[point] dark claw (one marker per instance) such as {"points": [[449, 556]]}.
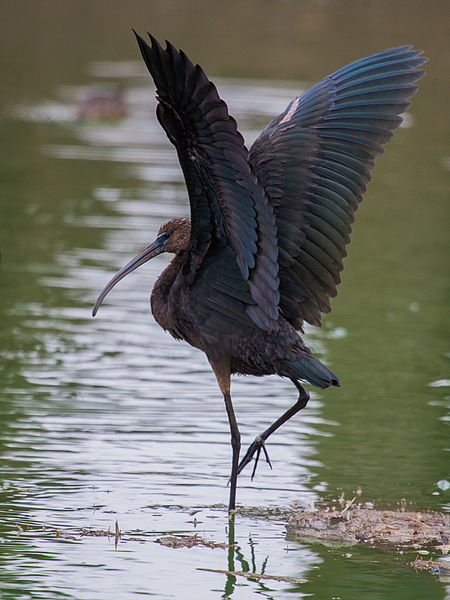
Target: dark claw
{"points": [[255, 447]]}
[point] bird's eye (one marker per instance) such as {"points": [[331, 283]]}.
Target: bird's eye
{"points": [[164, 236]]}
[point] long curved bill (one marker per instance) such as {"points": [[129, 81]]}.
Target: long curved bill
{"points": [[146, 254]]}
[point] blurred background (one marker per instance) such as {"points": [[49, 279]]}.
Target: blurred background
{"points": [[110, 418]]}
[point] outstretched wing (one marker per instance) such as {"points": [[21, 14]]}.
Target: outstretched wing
{"points": [[227, 202], [314, 162]]}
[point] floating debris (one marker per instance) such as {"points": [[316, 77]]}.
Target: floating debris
{"points": [[439, 567], [188, 541], [372, 526], [255, 576]]}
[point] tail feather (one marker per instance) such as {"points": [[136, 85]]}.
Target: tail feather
{"points": [[309, 368]]}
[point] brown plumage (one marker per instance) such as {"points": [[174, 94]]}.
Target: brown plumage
{"points": [[263, 249]]}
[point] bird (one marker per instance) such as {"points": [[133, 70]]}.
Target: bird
{"points": [[102, 105], [262, 251]]}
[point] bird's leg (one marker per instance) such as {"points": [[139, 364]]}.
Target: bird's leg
{"points": [[223, 379], [259, 442], [236, 447]]}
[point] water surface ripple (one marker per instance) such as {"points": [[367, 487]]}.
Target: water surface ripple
{"points": [[109, 419]]}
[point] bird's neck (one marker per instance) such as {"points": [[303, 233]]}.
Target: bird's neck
{"points": [[161, 292]]}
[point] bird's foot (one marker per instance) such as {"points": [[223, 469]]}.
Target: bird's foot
{"points": [[254, 447]]}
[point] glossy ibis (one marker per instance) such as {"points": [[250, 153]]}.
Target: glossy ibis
{"points": [[263, 249]]}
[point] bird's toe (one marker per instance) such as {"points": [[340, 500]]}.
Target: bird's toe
{"points": [[255, 448]]}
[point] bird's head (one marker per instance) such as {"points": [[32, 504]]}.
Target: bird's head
{"points": [[177, 233], [173, 237]]}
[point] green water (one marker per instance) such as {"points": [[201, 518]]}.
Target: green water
{"points": [[110, 419]]}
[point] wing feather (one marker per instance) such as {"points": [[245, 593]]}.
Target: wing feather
{"points": [[227, 201], [314, 161]]}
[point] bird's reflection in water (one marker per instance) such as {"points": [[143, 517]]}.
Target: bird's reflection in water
{"points": [[236, 557], [251, 570]]}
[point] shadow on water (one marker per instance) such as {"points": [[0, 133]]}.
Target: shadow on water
{"points": [[110, 420]]}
